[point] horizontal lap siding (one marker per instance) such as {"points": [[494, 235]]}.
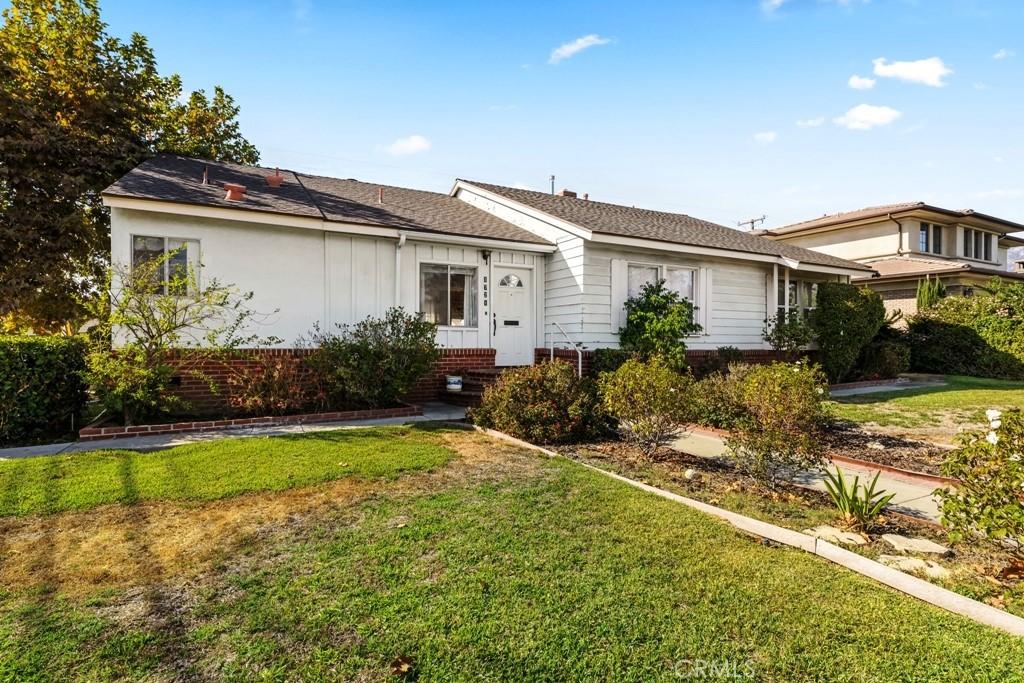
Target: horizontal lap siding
{"points": [[563, 289]]}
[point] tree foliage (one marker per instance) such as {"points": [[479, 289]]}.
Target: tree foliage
{"points": [[929, 292], [788, 333], [658, 321], [846, 320], [78, 109]]}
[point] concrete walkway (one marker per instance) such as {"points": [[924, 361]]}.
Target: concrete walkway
{"points": [[883, 388], [912, 498], [432, 412]]}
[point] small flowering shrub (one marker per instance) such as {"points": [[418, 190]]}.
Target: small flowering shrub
{"points": [[719, 397], [268, 385], [544, 404], [650, 400], [788, 333], [780, 434], [990, 498]]}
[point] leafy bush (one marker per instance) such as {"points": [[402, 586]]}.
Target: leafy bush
{"points": [[268, 385], [42, 386], [607, 360], [650, 400], [788, 333], [990, 497], [883, 360], [545, 403], [858, 504], [154, 322], [929, 292], [374, 362], [846, 319], [980, 335], [658, 321], [785, 415], [719, 397]]}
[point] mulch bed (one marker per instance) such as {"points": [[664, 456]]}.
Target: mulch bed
{"points": [[856, 442]]}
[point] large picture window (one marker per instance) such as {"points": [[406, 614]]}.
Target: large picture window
{"points": [[179, 268], [448, 295], [679, 280]]}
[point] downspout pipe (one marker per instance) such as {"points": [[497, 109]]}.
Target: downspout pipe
{"points": [[899, 249]]}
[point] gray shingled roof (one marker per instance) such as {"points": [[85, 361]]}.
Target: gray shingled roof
{"points": [[179, 179], [626, 221]]}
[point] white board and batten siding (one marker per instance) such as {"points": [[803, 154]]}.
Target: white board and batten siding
{"points": [[731, 297]]}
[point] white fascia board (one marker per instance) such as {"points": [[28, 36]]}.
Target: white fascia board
{"points": [[481, 242], [837, 270], [544, 217]]}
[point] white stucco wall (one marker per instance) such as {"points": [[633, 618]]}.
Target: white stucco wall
{"points": [[860, 242]]}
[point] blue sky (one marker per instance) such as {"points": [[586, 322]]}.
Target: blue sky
{"points": [[682, 106]]}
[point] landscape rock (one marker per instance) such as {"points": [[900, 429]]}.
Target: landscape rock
{"points": [[691, 474], [904, 544], [929, 568], [875, 446], [834, 535]]}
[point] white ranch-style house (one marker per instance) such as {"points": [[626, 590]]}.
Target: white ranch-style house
{"points": [[497, 268]]}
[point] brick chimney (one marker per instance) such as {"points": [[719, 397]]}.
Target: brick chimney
{"points": [[566, 193], [235, 192]]}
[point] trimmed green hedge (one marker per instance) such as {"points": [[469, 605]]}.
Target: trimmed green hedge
{"points": [[846, 319], [42, 387]]}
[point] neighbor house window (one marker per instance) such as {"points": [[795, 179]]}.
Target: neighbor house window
{"points": [[977, 245], [448, 295], [178, 272], [929, 239]]}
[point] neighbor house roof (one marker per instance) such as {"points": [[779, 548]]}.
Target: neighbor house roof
{"points": [[885, 210], [171, 178], [902, 267], [660, 226]]}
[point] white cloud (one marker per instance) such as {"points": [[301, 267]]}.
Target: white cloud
{"points": [[772, 5], [575, 47], [810, 123], [766, 137], [861, 82], [414, 144], [867, 116], [1003, 53], [929, 71]]}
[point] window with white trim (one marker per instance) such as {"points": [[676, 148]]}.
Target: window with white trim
{"points": [[448, 295], [681, 280], [801, 296], [178, 272]]}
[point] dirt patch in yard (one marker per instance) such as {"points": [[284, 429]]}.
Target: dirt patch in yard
{"points": [[858, 442], [146, 544]]}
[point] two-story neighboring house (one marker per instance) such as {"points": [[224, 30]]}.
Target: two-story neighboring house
{"points": [[906, 243]]}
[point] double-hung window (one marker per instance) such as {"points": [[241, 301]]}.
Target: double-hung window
{"points": [[681, 280], [448, 295], [174, 263]]}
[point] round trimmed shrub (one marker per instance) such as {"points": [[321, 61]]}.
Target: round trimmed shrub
{"points": [[543, 404], [650, 400], [846, 319]]}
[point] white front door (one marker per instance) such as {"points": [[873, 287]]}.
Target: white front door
{"points": [[512, 315]]}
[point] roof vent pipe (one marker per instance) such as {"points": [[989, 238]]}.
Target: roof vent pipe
{"points": [[275, 180], [235, 192], [380, 195], [206, 175]]}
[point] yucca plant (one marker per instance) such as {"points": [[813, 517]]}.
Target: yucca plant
{"points": [[859, 505]]}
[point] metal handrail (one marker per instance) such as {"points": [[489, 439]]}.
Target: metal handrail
{"points": [[576, 345]]}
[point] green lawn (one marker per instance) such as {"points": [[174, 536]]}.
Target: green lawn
{"points": [[937, 412], [499, 565], [209, 471]]}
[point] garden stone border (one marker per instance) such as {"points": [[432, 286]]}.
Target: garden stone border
{"points": [[894, 578], [96, 433]]}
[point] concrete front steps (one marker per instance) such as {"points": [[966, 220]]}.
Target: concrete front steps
{"points": [[473, 384]]}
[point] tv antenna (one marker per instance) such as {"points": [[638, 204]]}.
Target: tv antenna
{"points": [[752, 222]]}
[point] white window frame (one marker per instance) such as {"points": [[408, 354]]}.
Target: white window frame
{"points": [[663, 269], [167, 239], [450, 264]]}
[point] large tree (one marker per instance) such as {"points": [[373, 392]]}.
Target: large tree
{"points": [[79, 108]]}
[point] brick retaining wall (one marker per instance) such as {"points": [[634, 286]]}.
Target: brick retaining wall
{"points": [[697, 359]]}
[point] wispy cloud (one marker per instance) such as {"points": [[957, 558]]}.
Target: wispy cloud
{"points": [[810, 123], [861, 82], [413, 144], [575, 47], [769, 6], [1003, 53], [866, 117], [929, 71], [766, 137]]}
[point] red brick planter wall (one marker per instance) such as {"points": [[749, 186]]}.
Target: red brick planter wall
{"points": [[697, 359], [431, 387], [94, 433]]}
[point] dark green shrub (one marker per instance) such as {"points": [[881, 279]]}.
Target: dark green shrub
{"points": [[375, 362], [981, 335], [929, 292], [846, 319], [657, 324], [607, 360], [544, 404], [719, 397], [650, 400], [781, 433], [883, 359], [42, 387]]}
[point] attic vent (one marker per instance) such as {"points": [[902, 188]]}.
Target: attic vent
{"points": [[235, 192], [566, 193]]}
